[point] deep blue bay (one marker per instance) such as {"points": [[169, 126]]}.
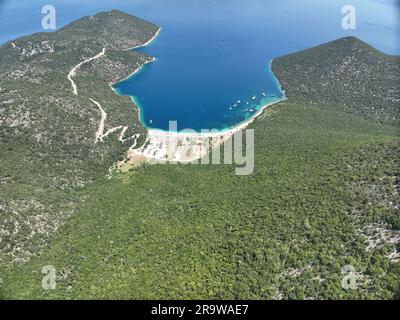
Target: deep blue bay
{"points": [[212, 54], [201, 78]]}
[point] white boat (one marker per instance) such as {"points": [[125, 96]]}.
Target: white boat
{"points": [[254, 98], [263, 94]]}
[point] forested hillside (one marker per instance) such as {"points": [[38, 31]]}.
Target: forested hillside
{"points": [[324, 194], [48, 134], [348, 73]]}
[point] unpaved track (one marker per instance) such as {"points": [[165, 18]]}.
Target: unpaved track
{"points": [[74, 69], [100, 135]]}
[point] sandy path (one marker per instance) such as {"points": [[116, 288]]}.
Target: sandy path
{"points": [[74, 69], [100, 135]]}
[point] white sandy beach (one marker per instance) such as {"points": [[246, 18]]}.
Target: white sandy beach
{"points": [[184, 147]]}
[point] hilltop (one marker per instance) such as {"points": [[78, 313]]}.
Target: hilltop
{"points": [[348, 73], [48, 133]]}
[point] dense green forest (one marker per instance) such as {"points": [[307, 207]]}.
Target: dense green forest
{"points": [[47, 133], [202, 232], [323, 195], [347, 73]]}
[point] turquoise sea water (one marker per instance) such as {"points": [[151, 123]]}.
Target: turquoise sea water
{"points": [[213, 54]]}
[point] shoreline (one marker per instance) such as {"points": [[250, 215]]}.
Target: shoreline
{"points": [[242, 124], [220, 131], [147, 43], [239, 126], [173, 147], [132, 74], [159, 143], [215, 132], [139, 68]]}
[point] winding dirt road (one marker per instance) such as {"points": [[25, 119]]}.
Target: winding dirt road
{"points": [[100, 135]]}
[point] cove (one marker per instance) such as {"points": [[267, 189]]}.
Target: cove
{"points": [[212, 67], [212, 53], [198, 88]]}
